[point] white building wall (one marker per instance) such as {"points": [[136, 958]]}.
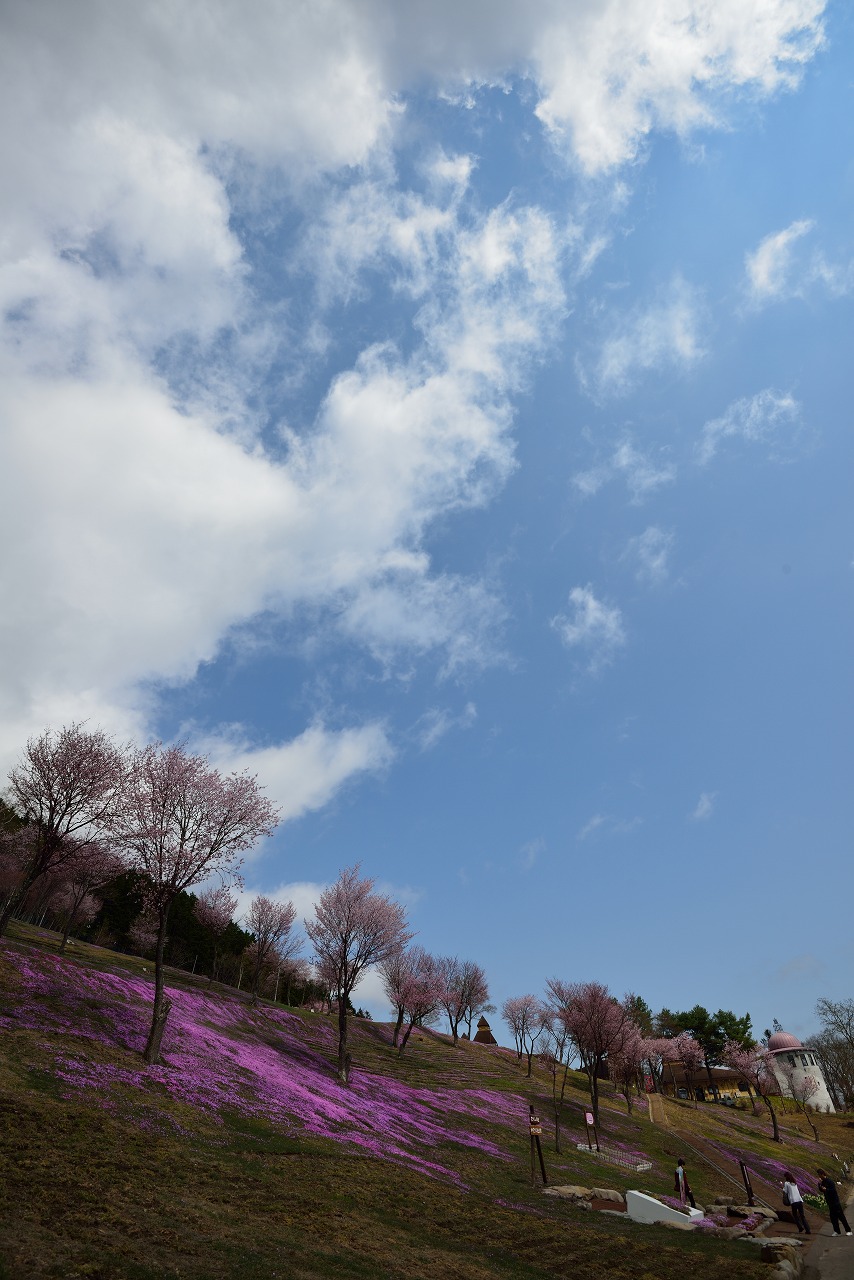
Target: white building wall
{"points": [[802, 1063]]}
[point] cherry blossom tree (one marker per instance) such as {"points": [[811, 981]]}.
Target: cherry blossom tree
{"points": [[270, 924], [67, 783], [400, 974], [143, 933], [94, 865], [465, 990], [625, 1063], [558, 1054], [214, 909], [528, 1019], [597, 1023], [181, 822], [655, 1056], [422, 993], [688, 1052], [354, 928], [756, 1066]]}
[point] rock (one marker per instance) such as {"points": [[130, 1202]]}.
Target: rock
{"points": [[570, 1193], [779, 1253], [676, 1226], [603, 1193], [724, 1200]]}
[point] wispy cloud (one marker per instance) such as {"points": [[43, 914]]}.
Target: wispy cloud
{"points": [[650, 552], [666, 334], [704, 807], [605, 824], [530, 852], [592, 824], [786, 265], [627, 462], [432, 727], [770, 417], [593, 626], [801, 966], [769, 267]]}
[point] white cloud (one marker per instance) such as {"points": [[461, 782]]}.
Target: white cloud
{"points": [[704, 807], [666, 334], [612, 72], [782, 267], [650, 553], [607, 825], [592, 626], [641, 475], [133, 486], [305, 773], [530, 851], [768, 268], [432, 727], [593, 824], [772, 418]]}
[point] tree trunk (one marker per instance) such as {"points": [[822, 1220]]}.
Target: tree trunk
{"points": [[69, 919], [397, 1026], [343, 1055], [594, 1096], [767, 1102], [407, 1033], [161, 1004], [7, 913]]}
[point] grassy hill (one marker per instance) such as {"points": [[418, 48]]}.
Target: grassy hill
{"points": [[241, 1157]]}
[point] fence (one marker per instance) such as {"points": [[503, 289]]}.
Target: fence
{"points": [[625, 1161]]}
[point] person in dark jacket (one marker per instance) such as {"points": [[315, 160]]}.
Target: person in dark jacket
{"points": [[827, 1187]]}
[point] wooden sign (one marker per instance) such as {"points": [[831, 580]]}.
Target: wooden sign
{"points": [[536, 1129]]}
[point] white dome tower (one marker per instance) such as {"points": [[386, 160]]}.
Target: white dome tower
{"points": [[792, 1065]]}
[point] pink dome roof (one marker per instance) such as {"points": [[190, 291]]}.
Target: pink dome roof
{"points": [[783, 1040]]}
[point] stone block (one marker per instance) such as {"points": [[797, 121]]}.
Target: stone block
{"points": [[604, 1193], [570, 1192]]}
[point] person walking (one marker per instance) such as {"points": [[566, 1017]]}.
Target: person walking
{"points": [[793, 1198], [681, 1185], [827, 1187]]}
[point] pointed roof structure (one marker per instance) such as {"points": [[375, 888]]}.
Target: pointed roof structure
{"points": [[484, 1035]]}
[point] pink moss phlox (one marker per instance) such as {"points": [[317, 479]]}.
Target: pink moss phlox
{"points": [[221, 1055]]}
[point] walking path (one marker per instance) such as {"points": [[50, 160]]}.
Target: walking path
{"points": [[833, 1258]]}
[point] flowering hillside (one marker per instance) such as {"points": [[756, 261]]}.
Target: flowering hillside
{"points": [[240, 1154], [222, 1054]]}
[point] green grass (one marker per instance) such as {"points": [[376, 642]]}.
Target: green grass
{"points": [[151, 1187]]}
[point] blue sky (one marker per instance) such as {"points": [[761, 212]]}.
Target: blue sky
{"points": [[444, 412]]}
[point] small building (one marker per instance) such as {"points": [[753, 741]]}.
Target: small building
{"points": [[727, 1084], [484, 1035], [792, 1065]]}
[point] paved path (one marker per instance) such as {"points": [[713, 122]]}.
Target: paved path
{"points": [[834, 1258]]}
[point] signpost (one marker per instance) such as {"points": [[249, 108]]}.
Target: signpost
{"points": [[748, 1188], [591, 1124], [536, 1130]]}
